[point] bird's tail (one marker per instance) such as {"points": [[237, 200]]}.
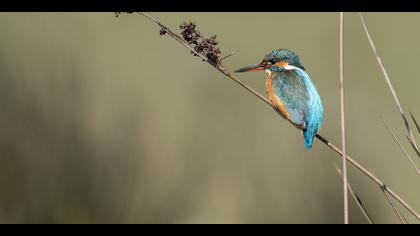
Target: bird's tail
{"points": [[308, 136]]}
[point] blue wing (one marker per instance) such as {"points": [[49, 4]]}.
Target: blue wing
{"points": [[291, 90], [303, 103]]}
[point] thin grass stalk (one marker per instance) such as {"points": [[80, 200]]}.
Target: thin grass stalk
{"points": [[230, 54], [413, 145], [356, 199], [418, 130], [415, 122], [343, 123], [410, 160], [388, 81], [395, 208]]}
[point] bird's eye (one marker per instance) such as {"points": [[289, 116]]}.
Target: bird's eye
{"points": [[272, 61]]}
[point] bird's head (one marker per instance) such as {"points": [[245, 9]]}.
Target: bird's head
{"points": [[277, 60]]}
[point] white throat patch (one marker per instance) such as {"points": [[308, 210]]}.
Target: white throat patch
{"points": [[290, 67]]}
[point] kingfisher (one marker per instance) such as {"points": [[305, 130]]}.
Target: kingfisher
{"points": [[291, 91]]}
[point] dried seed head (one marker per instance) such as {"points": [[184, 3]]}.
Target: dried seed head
{"points": [[189, 33], [162, 31], [204, 46], [117, 14]]}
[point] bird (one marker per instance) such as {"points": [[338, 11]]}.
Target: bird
{"points": [[291, 91]]}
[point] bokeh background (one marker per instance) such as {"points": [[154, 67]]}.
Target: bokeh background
{"points": [[102, 120]]}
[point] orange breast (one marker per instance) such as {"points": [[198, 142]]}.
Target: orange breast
{"points": [[275, 99]]}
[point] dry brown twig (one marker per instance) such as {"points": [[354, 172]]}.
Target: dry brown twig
{"points": [[218, 66], [415, 122], [410, 160], [394, 207], [343, 123], [356, 198], [391, 87]]}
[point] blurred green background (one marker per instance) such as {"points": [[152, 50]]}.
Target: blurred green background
{"points": [[102, 120]]}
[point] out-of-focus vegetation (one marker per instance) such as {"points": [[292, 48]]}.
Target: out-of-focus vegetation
{"points": [[102, 120]]}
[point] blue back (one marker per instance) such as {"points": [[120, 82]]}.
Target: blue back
{"points": [[296, 90]]}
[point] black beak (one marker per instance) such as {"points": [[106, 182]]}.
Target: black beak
{"points": [[256, 67]]}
